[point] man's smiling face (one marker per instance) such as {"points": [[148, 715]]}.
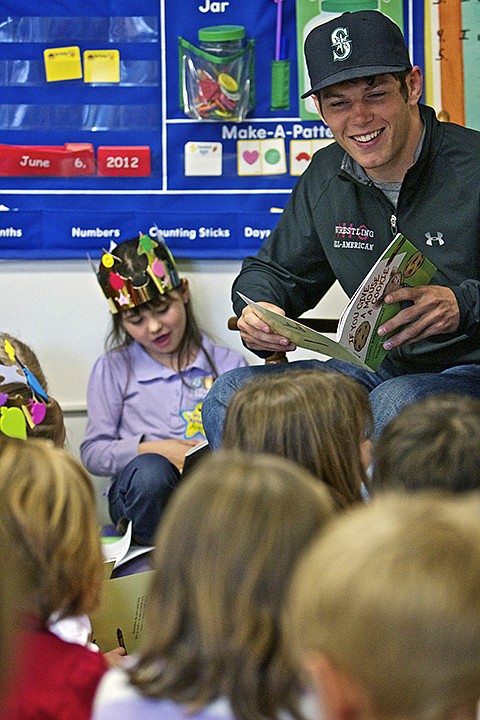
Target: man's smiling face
{"points": [[375, 123]]}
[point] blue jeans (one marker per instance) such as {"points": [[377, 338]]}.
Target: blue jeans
{"points": [[141, 491], [389, 390]]}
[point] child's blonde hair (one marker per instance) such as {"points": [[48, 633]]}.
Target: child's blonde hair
{"points": [[10, 589], [225, 551], [391, 596], [318, 419], [48, 509]]}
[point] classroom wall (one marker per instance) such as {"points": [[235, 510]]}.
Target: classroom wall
{"points": [[58, 309]]}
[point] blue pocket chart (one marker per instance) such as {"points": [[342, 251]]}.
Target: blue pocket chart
{"points": [[79, 77]]}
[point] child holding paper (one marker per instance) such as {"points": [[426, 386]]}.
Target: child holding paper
{"points": [[145, 394]]}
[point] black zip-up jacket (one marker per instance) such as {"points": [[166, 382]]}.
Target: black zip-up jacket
{"points": [[335, 227]]}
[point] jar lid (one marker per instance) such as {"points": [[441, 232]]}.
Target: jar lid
{"points": [[221, 33], [342, 6]]}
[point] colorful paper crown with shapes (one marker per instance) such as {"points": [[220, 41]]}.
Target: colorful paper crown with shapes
{"points": [[15, 414], [136, 271]]}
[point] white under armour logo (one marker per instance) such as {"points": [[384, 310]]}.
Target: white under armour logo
{"points": [[435, 238], [341, 44]]}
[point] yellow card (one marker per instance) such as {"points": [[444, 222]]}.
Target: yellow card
{"points": [[101, 66], [62, 63], [120, 617]]}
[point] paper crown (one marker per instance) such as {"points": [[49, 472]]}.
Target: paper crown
{"points": [[136, 271], [15, 413]]}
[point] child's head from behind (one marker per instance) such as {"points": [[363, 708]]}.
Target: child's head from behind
{"points": [[48, 509], [26, 356], [225, 551], [322, 420], [431, 444], [16, 393], [384, 608], [148, 300]]}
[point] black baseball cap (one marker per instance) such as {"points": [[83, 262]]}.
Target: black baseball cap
{"points": [[353, 45]]}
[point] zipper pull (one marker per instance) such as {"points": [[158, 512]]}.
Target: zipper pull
{"points": [[393, 224]]}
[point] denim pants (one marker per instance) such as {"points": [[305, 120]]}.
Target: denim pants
{"points": [[140, 493], [389, 389]]}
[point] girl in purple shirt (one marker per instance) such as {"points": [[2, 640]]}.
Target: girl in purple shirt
{"points": [[145, 393]]}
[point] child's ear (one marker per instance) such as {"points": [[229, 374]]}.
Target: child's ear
{"points": [[185, 290], [339, 696], [366, 453]]}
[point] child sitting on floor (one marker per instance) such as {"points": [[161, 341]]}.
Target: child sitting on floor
{"points": [[321, 420], [384, 611], [226, 547], [48, 509], [145, 394], [433, 444], [26, 408]]}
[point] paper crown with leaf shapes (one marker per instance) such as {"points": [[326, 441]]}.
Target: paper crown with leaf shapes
{"points": [[15, 414], [136, 271]]}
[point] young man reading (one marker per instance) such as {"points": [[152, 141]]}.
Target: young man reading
{"points": [[393, 168]]}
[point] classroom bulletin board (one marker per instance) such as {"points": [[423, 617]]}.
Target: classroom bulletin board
{"points": [[113, 123]]}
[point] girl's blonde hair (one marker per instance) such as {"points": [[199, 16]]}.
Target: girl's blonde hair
{"points": [[390, 595], [316, 418], [225, 550], [48, 509]]}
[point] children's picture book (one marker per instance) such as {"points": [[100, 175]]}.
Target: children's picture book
{"points": [[121, 551], [119, 618], [118, 621], [357, 341]]}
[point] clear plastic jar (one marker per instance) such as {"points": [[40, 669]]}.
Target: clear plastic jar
{"points": [[222, 40]]}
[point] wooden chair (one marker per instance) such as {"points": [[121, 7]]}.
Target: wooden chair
{"points": [[323, 325]]}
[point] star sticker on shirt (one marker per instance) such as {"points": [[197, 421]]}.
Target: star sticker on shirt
{"points": [[193, 420]]}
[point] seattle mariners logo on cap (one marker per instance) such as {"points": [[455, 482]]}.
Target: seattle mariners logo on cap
{"points": [[341, 44]]}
